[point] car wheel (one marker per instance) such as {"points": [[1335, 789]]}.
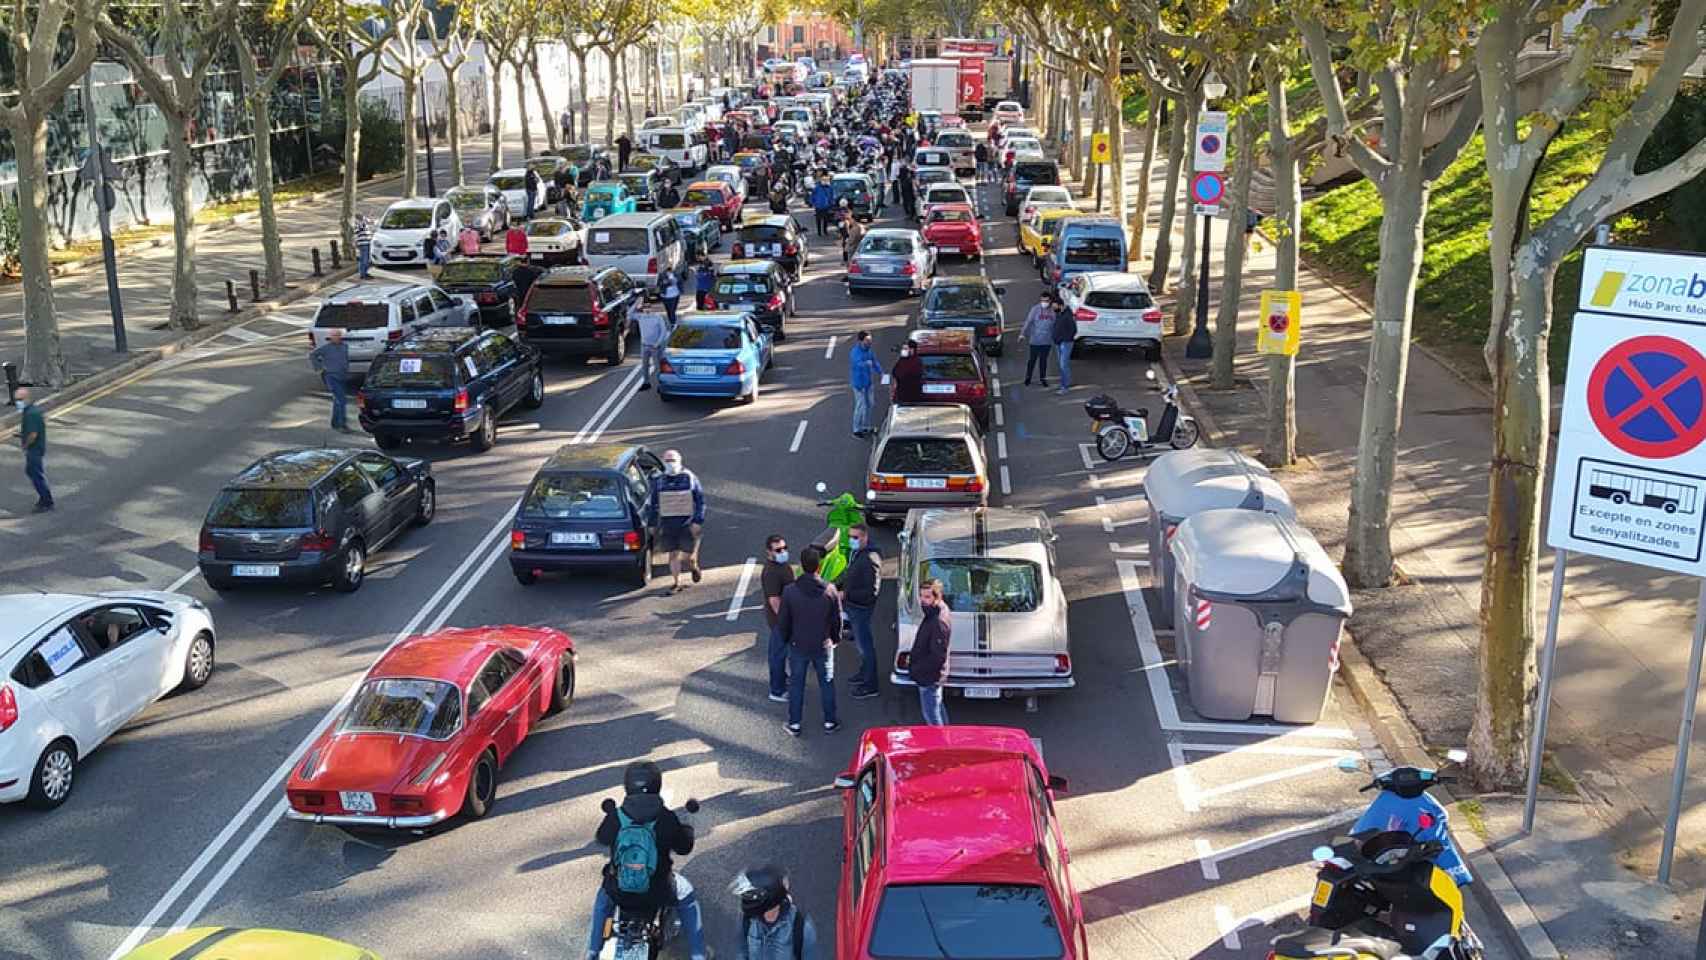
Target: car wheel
{"points": [[618, 349], [665, 396], [535, 392], [526, 578], [352, 568], [198, 662], [563, 684], [487, 436], [482, 787], [50, 783], [428, 505], [643, 569], [387, 441]]}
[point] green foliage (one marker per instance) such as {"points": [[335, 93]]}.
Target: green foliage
{"points": [[381, 137], [9, 237], [1664, 14], [1683, 209]]}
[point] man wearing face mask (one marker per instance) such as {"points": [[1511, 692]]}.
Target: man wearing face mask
{"points": [[676, 514], [776, 576], [908, 375], [859, 585], [928, 664]]}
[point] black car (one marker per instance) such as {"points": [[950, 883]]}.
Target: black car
{"points": [[759, 287], [489, 281], [965, 303], [1025, 175], [312, 516], [775, 237], [586, 509], [581, 312], [452, 383]]}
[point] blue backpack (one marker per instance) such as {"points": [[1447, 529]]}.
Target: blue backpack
{"points": [[635, 854]]}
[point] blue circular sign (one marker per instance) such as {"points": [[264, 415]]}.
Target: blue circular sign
{"points": [[1207, 188], [1647, 396], [1210, 143]]}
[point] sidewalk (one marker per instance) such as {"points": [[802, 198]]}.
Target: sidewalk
{"points": [[1588, 870]]}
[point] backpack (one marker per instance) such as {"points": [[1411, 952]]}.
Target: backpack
{"points": [[635, 854], [799, 931]]}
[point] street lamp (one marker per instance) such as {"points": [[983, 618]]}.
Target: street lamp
{"points": [[1201, 344]]}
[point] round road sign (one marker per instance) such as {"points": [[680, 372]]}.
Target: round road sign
{"points": [[1210, 143], [1647, 397], [1207, 187]]}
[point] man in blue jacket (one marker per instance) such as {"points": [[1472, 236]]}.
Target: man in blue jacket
{"points": [[863, 371], [676, 514], [823, 204]]}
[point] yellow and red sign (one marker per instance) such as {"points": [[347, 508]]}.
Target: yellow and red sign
{"points": [[1100, 152], [1281, 316]]}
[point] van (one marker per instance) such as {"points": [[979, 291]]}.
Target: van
{"points": [[692, 115], [713, 108], [685, 148], [645, 246], [372, 315], [1083, 245]]}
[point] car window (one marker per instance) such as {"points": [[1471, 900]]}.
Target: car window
{"points": [[560, 298], [381, 470], [705, 336], [987, 584], [924, 455], [110, 627], [406, 707], [61, 652], [735, 284], [498, 670], [352, 316], [473, 363], [261, 509], [637, 484], [350, 485], [407, 309], [505, 347], [574, 496], [897, 246], [481, 270], [1119, 299], [1042, 809], [867, 816], [440, 301], [618, 241], [958, 298], [423, 305], [410, 372], [492, 354], [965, 921], [951, 216], [939, 366], [1099, 251], [406, 218]]}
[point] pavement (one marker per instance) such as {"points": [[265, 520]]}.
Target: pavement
{"points": [[1588, 871], [1190, 839]]}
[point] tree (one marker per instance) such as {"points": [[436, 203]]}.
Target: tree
{"points": [[1279, 440], [506, 23], [450, 43], [1525, 258], [42, 73], [404, 59], [351, 36], [275, 31]]}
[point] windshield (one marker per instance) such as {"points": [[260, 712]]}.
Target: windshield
{"points": [[466, 200], [352, 316], [406, 218], [602, 194], [849, 187], [636, 182], [261, 509], [1051, 226], [704, 336], [560, 298], [914, 455], [934, 175], [578, 154], [618, 241], [987, 584], [412, 708], [703, 195], [1101, 251], [896, 246], [575, 496], [763, 234], [950, 216], [965, 922], [1048, 195], [509, 182], [421, 373], [1119, 299], [954, 139], [969, 298], [546, 228], [735, 286]]}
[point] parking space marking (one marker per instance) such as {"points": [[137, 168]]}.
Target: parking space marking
{"points": [[1209, 859], [799, 436], [1001, 445], [1138, 548], [1229, 926], [1006, 481], [244, 334], [829, 351], [1262, 780], [995, 386], [740, 589], [187, 576], [1084, 453], [1000, 416], [1184, 782]]}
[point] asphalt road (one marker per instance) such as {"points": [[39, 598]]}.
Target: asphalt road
{"points": [[1187, 838]]}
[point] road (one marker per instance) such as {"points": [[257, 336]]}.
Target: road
{"points": [[1188, 838]]}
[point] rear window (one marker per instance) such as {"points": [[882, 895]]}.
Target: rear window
{"points": [[949, 367], [670, 141], [510, 182], [618, 240], [898, 246], [932, 158], [846, 187], [763, 234], [1119, 299], [636, 183], [965, 922], [408, 707], [560, 298], [914, 455], [1036, 172], [735, 286], [956, 299], [424, 373], [471, 271], [703, 195], [353, 316], [1101, 251], [705, 337], [545, 228], [987, 584], [955, 140], [543, 165], [406, 218], [950, 216], [575, 496], [261, 509]]}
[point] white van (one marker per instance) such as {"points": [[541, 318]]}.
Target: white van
{"points": [[713, 108], [644, 246], [685, 148]]}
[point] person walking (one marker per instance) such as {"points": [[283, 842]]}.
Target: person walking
{"points": [[774, 579], [669, 292], [362, 229], [331, 361], [1038, 333], [773, 927], [810, 621], [515, 240], [982, 154], [706, 272], [908, 192], [566, 122], [860, 583], [676, 514], [908, 376], [863, 372], [1065, 331], [624, 147], [32, 436], [468, 240], [928, 664], [654, 333], [531, 183], [823, 204]]}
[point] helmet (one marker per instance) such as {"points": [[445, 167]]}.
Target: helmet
{"points": [[762, 889], [844, 201], [642, 776]]}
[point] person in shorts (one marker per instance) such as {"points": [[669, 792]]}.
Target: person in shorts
{"points": [[676, 515]]}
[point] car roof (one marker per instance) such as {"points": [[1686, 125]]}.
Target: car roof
{"points": [[571, 276], [708, 184], [591, 456], [1057, 213], [960, 280], [374, 292], [509, 172], [1098, 222], [435, 340], [290, 469], [416, 203], [850, 176], [893, 232], [768, 220], [983, 531], [713, 318], [1115, 280], [607, 184], [455, 655], [638, 218], [942, 341], [930, 420], [24, 613], [747, 266], [962, 207]]}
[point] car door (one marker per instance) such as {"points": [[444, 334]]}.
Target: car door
{"points": [[501, 716], [759, 344], [446, 310], [426, 312], [865, 854], [407, 320], [134, 650], [507, 371], [398, 487], [75, 682], [363, 507], [1054, 854]]}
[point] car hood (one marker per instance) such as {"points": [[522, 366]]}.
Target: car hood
{"points": [[376, 762], [974, 634], [397, 235]]}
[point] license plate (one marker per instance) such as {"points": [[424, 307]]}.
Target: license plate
{"points": [[1323, 893], [882, 268], [255, 570], [939, 388], [559, 321], [773, 249], [700, 370], [409, 404], [357, 801], [941, 249], [633, 950], [983, 693], [926, 483], [574, 539]]}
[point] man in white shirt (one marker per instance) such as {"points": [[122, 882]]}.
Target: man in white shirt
{"points": [[654, 333]]}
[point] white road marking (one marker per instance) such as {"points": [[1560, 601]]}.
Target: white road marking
{"points": [[1000, 416], [1210, 859], [1102, 501], [1183, 781], [829, 351], [1084, 451], [397, 277], [1006, 481], [597, 415], [994, 366], [995, 386], [740, 588], [1263, 780], [1267, 750], [1134, 548], [244, 334], [184, 578], [1229, 926], [1001, 445], [799, 437]]}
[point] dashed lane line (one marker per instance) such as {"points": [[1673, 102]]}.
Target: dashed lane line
{"points": [[799, 437], [829, 351], [740, 588], [1000, 416], [1006, 482], [1001, 445]]}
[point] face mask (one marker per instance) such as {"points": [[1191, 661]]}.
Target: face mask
{"points": [[671, 467], [855, 543], [906, 353], [781, 556]]}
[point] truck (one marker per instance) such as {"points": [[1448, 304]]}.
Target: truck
{"points": [[935, 85], [997, 80], [969, 95]]}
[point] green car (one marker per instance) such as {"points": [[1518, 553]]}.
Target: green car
{"points": [[605, 197]]}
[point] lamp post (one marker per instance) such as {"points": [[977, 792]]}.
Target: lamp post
{"points": [[1201, 344]]}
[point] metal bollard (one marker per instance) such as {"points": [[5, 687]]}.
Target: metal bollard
{"points": [[255, 285], [11, 371], [315, 253], [337, 256], [231, 294]]}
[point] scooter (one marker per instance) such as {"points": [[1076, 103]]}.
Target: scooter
{"points": [[631, 935], [844, 514], [1124, 431]]}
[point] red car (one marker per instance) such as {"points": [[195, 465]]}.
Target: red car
{"points": [[430, 726], [953, 228], [951, 848], [716, 196]]}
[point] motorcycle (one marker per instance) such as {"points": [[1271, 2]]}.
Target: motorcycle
{"points": [[1123, 431], [844, 513], [630, 935]]}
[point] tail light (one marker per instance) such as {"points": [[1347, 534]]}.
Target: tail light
{"points": [[8, 708], [652, 265], [853, 267], [486, 297], [394, 335], [886, 481], [737, 250], [361, 398], [1062, 663], [791, 249], [976, 389], [460, 404], [735, 368], [1152, 316], [775, 302], [631, 541], [664, 366], [1082, 313], [968, 484], [909, 270], [517, 540], [599, 317], [321, 542], [903, 660], [204, 543], [992, 331]]}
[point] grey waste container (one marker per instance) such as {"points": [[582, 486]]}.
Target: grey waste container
{"points": [[1260, 611], [1187, 482]]}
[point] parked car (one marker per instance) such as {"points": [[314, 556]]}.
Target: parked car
{"points": [[430, 726], [719, 198], [1114, 310], [753, 164], [776, 236], [966, 302], [400, 237], [1024, 175], [928, 177], [449, 385], [585, 509], [890, 259], [486, 282], [1037, 234], [961, 148], [74, 668], [374, 314], [606, 198], [730, 174], [555, 240], [580, 312], [759, 287], [581, 157], [645, 246], [954, 369], [1009, 112], [701, 231], [482, 208], [512, 183], [687, 149], [644, 186], [1082, 245], [933, 158], [926, 455], [714, 354], [953, 228], [859, 191], [312, 516]]}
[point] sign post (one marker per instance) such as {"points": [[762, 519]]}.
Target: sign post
{"points": [[1207, 188]]}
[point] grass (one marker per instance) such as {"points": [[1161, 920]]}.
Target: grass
{"points": [[1476, 816]]}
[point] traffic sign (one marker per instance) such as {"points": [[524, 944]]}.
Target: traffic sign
{"points": [[1211, 141], [1206, 209], [1100, 152], [1207, 188], [1281, 316]]}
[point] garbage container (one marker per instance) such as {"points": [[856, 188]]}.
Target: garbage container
{"points": [[1260, 611], [1186, 482]]}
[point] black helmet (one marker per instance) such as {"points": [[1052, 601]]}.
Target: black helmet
{"points": [[642, 776], [764, 889]]}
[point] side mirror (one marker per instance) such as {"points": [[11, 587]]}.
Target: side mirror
{"points": [[1058, 783], [1001, 291], [844, 782], [822, 487]]}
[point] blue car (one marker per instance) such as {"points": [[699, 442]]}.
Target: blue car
{"points": [[606, 198], [714, 354], [585, 512]]}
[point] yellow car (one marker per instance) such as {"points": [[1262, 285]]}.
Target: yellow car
{"points": [[1038, 231], [233, 943]]}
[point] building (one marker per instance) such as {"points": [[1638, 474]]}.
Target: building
{"points": [[805, 35]]}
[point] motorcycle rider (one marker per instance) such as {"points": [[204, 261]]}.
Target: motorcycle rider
{"points": [[773, 927], [625, 831]]}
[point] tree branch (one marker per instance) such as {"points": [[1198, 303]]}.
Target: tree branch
{"points": [[1441, 154]]}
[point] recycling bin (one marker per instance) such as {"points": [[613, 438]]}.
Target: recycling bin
{"points": [[1260, 611], [1186, 482]]}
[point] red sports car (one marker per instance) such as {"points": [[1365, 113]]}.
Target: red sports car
{"points": [[953, 228], [718, 197], [950, 848], [430, 726]]}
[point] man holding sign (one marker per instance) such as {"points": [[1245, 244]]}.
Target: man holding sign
{"points": [[676, 513]]}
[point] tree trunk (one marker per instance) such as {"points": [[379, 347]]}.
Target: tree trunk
{"points": [[1169, 198], [680, 79], [1096, 173], [1146, 170], [610, 101], [453, 122], [185, 310], [497, 162], [586, 100], [1184, 305], [521, 108], [546, 114], [352, 156], [1080, 151], [1279, 440], [411, 139], [260, 101], [628, 93], [44, 361], [1232, 255], [1116, 132]]}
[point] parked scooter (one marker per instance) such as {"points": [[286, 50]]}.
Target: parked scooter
{"points": [[636, 936], [1124, 431]]}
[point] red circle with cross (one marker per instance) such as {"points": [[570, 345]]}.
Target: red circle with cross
{"points": [[1647, 397]]}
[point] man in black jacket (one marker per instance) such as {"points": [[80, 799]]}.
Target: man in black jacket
{"points": [[1065, 331], [928, 663], [644, 807], [810, 621], [860, 583]]}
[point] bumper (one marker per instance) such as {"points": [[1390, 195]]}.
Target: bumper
{"points": [[319, 569], [369, 820], [16, 785], [1009, 686], [892, 505], [869, 281], [1122, 340], [699, 387], [454, 429], [568, 346], [590, 560], [395, 255]]}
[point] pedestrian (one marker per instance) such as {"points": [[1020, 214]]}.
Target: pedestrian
{"points": [[676, 514], [331, 361], [982, 154], [778, 198], [823, 204], [810, 621], [515, 240], [1065, 331], [773, 927], [668, 198], [654, 333], [624, 146], [566, 121], [863, 372], [860, 583], [440, 253], [32, 435], [524, 276], [362, 229], [468, 239], [531, 182], [775, 578], [928, 664], [908, 192], [1038, 333], [895, 168], [706, 272], [429, 250], [908, 376], [669, 292]]}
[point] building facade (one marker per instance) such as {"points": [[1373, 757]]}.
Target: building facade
{"points": [[805, 35]]}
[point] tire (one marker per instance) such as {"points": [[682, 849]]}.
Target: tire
{"points": [[642, 572], [198, 662], [352, 568], [1113, 443], [1185, 434], [618, 349], [387, 441], [54, 775], [563, 684], [427, 508], [482, 787], [666, 397], [535, 392], [526, 578], [487, 436]]}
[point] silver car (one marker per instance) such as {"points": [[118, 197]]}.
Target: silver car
{"points": [[997, 568], [482, 208], [889, 258], [926, 455]]}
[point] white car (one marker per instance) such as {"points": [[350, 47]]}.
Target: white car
{"points": [[656, 123], [1019, 132], [555, 240], [729, 173], [1009, 112], [401, 234], [961, 147], [512, 183], [943, 193], [790, 130], [1046, 197], [685, 148], [1017, 147], [74, 668], [1113, 310]]}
